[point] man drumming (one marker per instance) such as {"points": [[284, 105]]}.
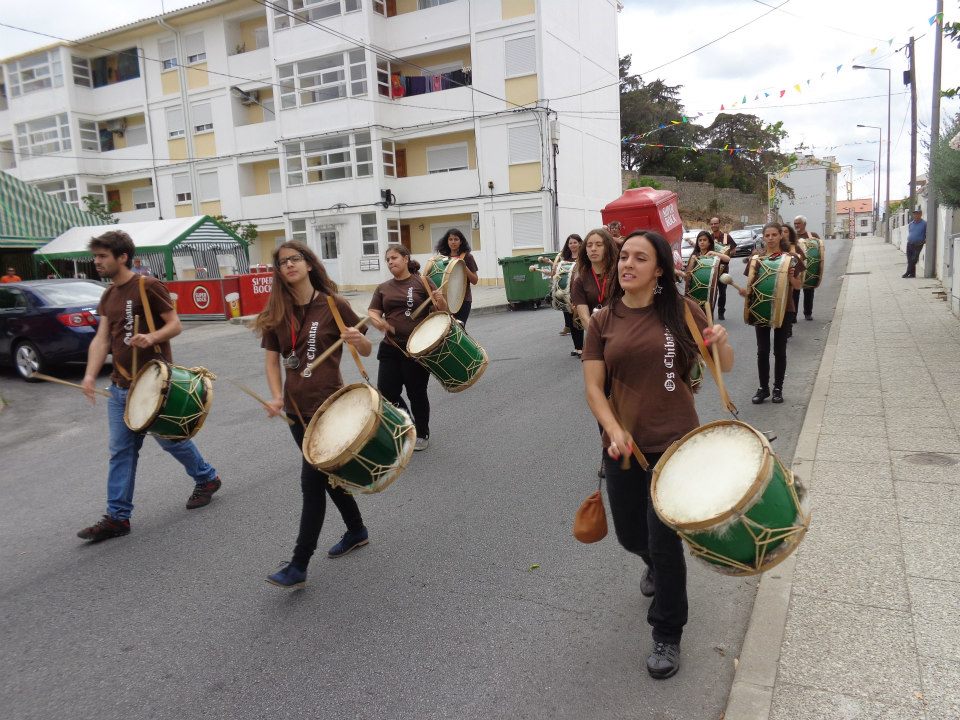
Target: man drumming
{"points": [[120, 305], [800, 225], [729, 248]]}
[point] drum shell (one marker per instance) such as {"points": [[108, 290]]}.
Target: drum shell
{"points": [[703, 283], [768, 292], [815, 253], [456, 360], [185, 402], [440, 268], [560, 285]]}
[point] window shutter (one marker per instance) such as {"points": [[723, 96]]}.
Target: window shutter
{"points": [[447, 158], [528, 228], [193, 44], [209, 187], [181, 184], [174, 122], [168, 52], [524, 144], [521, 56], [202, 114]]}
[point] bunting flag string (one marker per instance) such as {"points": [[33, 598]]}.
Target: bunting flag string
{"points": [[684, 119]]}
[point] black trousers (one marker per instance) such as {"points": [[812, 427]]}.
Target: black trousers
{"points": [[464, 312], [575, 332], [808, 294], [779, 354], [398, 371], [315, 486], [721, 297], [641, 532], [913, 256]]}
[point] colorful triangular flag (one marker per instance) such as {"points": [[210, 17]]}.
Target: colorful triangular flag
{"points": [[782, 93]]}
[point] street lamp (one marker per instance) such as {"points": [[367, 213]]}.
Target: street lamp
{"points": [[879, 165], [886, 214], [875, 204]]}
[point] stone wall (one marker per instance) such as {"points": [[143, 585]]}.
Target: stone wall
{"points": [[700, 201]]}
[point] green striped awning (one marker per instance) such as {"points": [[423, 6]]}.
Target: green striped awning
{"points": [[29, 218]]}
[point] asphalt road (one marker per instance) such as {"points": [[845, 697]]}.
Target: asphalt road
{"points": [[472, 600]]}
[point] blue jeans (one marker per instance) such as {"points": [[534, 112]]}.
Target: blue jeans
{"points": [[125, 451]]}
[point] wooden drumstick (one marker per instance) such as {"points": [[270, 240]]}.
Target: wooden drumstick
{"points": [[416, 313], [58, 381], [330, 350], [727, 280], [259, 399], [342, 327]]}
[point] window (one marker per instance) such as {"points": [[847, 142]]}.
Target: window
{"points": [[181, 189], [45, 135], [524, 144], [337, 157], [143, 197], [193, 48], [168, 54], [424, 4], [864, 222], [393, 232], [295, 12], [521, 56], [261, 37], [389, 158], [527, 228], [273, 181], [175, 128], [298, 230], [368, 234], [209, 186], [113, 68], [324, 78], [447, 158], [89, 136], [65, 190], [136, 135], [35, 72], [202, 117], [97, 191], [81, 72]]}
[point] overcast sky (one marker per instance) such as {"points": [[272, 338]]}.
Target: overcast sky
{"points": [[798, 42]]}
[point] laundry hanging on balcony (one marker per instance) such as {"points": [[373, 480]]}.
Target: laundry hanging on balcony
{"points": [[406, 85]]}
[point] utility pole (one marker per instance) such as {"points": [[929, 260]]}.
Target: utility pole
{"points": [[930, 258], [911, 79]]}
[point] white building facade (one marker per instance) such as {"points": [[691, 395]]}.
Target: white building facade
{"points": [[347, 124], [814, 184]]}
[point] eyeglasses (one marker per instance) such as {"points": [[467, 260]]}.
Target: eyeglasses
{"points": [[290, 260]]}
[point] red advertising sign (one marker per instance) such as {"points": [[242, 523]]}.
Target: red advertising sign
{"points": [[254, 291], [200, 298]]}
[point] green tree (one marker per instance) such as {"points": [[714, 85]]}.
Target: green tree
{"points": [[952, 32], [744, 169], [94, 205], [946, 165], [247, 231]]}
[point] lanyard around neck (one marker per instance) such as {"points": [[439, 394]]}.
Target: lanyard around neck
{"points": [[602, 290], [293, 332]]}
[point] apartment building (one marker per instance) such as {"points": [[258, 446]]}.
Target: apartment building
{"points": [[344, 123], [855, 218], [814, 184]]}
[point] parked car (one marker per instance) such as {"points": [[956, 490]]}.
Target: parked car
{"points": [[688, 243], [744, 240], [44, 323]]}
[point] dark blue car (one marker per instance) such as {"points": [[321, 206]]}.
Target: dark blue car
{"points": [[44, 323]]}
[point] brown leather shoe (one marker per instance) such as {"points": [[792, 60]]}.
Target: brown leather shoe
{"points": [[203, 493], [107, 528]]}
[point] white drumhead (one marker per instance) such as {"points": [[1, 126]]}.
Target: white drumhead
{"points": [[455, 289], [428, 332], [340, 425], [708, 474], [146, 395]]}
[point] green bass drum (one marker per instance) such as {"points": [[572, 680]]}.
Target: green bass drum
{"points": [[169, 401]]}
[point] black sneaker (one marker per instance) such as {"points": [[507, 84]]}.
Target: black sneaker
{"points": [[664, 661], [808, 317], [720, 315], [777, 395], [203, 493], [761, 395], [107, 528], [646, 582]]}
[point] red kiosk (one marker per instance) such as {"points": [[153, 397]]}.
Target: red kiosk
{"points": [[648, 209]]}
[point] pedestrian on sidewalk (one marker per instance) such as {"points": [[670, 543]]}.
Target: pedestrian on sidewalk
{"points": [[454, 245], [800, 225], [131, 297], [639, 348], [774, 245], [729, 250], [296, 325], [916, 238], [391, 309]]}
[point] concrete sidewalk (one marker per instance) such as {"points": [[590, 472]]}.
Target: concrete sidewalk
{"points": [[863, 621]]}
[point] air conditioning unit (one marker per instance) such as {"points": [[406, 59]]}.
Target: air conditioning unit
{"points": [[250, 98], [117, 127]]}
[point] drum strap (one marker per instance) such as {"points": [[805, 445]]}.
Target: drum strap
{"points": [[343, 326], [708, 359], [146, 308]]}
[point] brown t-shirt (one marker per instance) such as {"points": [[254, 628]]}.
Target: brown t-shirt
{"points": [[797, 268], [729, 248], [585, 291], [396, 300], [314, 331], [472, 266], [648, 393], [119, 305]]}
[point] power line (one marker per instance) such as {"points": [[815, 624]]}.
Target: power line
{"points": [[831, 27]]}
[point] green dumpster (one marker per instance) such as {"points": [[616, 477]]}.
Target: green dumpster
{"points": [[522, 284]]}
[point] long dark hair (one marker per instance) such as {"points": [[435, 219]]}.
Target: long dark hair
{"points": [[280, 306], [667, 301], [412, 265], [611, 251], [565, 253], [443, 247], [792, 240], [696, 244], [784, 246]]}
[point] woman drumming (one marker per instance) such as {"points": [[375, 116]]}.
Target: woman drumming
{"points": [[295, 327], [774, 245], [704, 247], [454, 245], [571, 249], [390, 310], [595, 274], [795, 249], [636, 368]]}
